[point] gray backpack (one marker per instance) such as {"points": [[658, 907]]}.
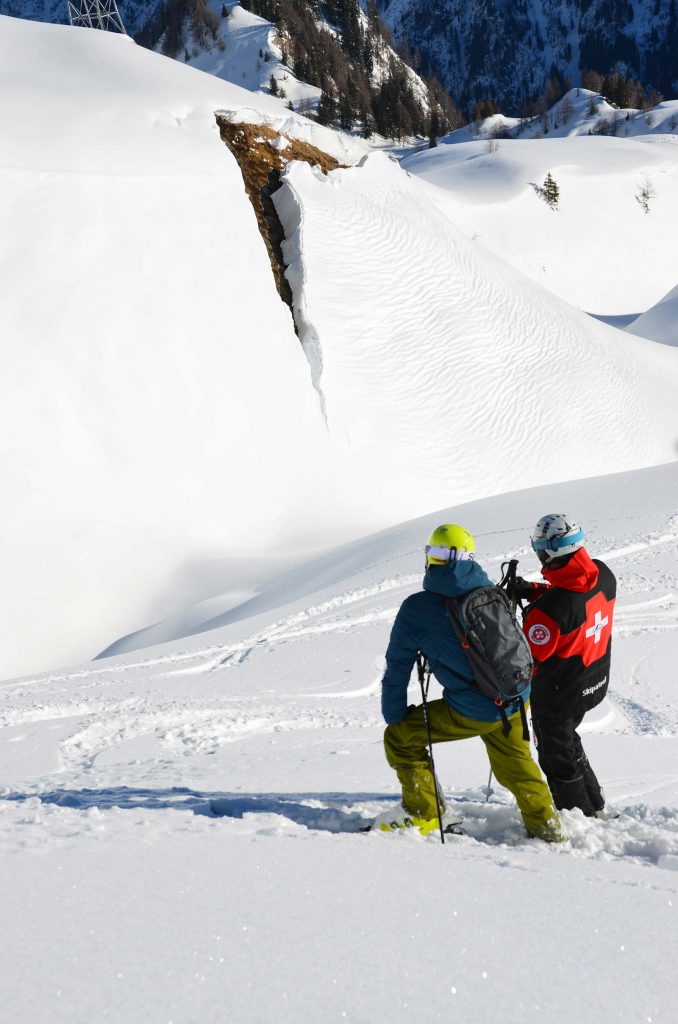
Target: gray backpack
{"points": [[496, 648]]}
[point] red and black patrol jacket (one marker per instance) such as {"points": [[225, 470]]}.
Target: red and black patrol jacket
{"points": [[569, 629]]}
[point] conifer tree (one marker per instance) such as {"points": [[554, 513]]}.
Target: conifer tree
{"points": [[550, 192], [327, 109]]}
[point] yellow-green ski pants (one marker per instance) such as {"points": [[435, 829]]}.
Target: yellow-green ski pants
{"points": [[510, 759]]}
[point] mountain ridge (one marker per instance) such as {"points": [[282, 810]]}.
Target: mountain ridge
{"points": [[515, 54], [510, 49]]}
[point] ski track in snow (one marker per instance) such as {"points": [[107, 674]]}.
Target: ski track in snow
{"points": [[117, 740], [643, 720], [655, 613]]}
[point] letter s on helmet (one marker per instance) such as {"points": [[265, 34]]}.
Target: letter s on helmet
{"points": [[556, 535], [449, 543]]}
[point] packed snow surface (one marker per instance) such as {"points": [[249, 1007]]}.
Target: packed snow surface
{"points": [[179, 830]]}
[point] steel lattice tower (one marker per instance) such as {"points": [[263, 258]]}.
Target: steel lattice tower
{"points": [[103, 14]]}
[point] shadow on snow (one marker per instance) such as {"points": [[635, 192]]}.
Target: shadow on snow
{"points": [[643, 834], [328, 812]]}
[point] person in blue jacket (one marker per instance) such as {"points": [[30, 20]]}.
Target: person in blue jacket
{"points": [[423, 625]]}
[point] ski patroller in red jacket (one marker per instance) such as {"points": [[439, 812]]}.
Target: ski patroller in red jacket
{"points": [[569, 629]]}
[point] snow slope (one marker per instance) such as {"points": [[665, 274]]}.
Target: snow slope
{"points": [[139, 436], [138, 904], [238, 57], [578, 112], [599, 250], [446, 388], [450, 375], [243, 37], [661, 322], [160, 419]]}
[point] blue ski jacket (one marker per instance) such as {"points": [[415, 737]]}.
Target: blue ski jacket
{"points": [[423, 624]]}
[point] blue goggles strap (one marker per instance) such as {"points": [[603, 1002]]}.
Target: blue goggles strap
{"points": [[556, 543]]}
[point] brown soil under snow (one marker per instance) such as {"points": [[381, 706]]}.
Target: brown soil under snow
{"points": [[261, 165]]}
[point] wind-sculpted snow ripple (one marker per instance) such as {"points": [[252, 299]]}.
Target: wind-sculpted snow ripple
{"points": [[445, 374]]}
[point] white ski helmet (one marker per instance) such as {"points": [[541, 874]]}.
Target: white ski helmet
{"points": [[556, 535]]}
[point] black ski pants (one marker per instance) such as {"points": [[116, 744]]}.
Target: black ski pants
{"points": [[561, 756]]}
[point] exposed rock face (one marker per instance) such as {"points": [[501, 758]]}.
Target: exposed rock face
{"points": [[262, 155]]}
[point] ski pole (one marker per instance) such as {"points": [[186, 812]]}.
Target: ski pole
{"points": [[422, 667], [488, 791], [507, 583]]}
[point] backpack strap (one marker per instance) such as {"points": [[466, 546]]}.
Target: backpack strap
{"points": [[523, 719], [506, 725], [453, 614]]}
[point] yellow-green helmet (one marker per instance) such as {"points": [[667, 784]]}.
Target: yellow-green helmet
{"points": [[449, 543]]}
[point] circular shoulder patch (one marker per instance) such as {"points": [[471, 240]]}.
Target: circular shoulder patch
{"points": [[539, 634]]}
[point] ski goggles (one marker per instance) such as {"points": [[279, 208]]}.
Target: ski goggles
{"points": [[448, 554], [556, 543]]}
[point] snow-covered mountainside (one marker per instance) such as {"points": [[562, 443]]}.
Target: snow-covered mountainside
{"points": [[137, 903], [251, 57], [358, 82], [601, 247], [579, 112], [505, 50], [328, 57], [247, 54], [160, 417], [508, 49], [139, 429]]}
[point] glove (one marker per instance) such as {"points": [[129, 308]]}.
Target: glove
{"points": [[522, 589]]}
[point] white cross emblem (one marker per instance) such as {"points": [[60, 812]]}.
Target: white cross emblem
{"points": [[597, 628]]}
